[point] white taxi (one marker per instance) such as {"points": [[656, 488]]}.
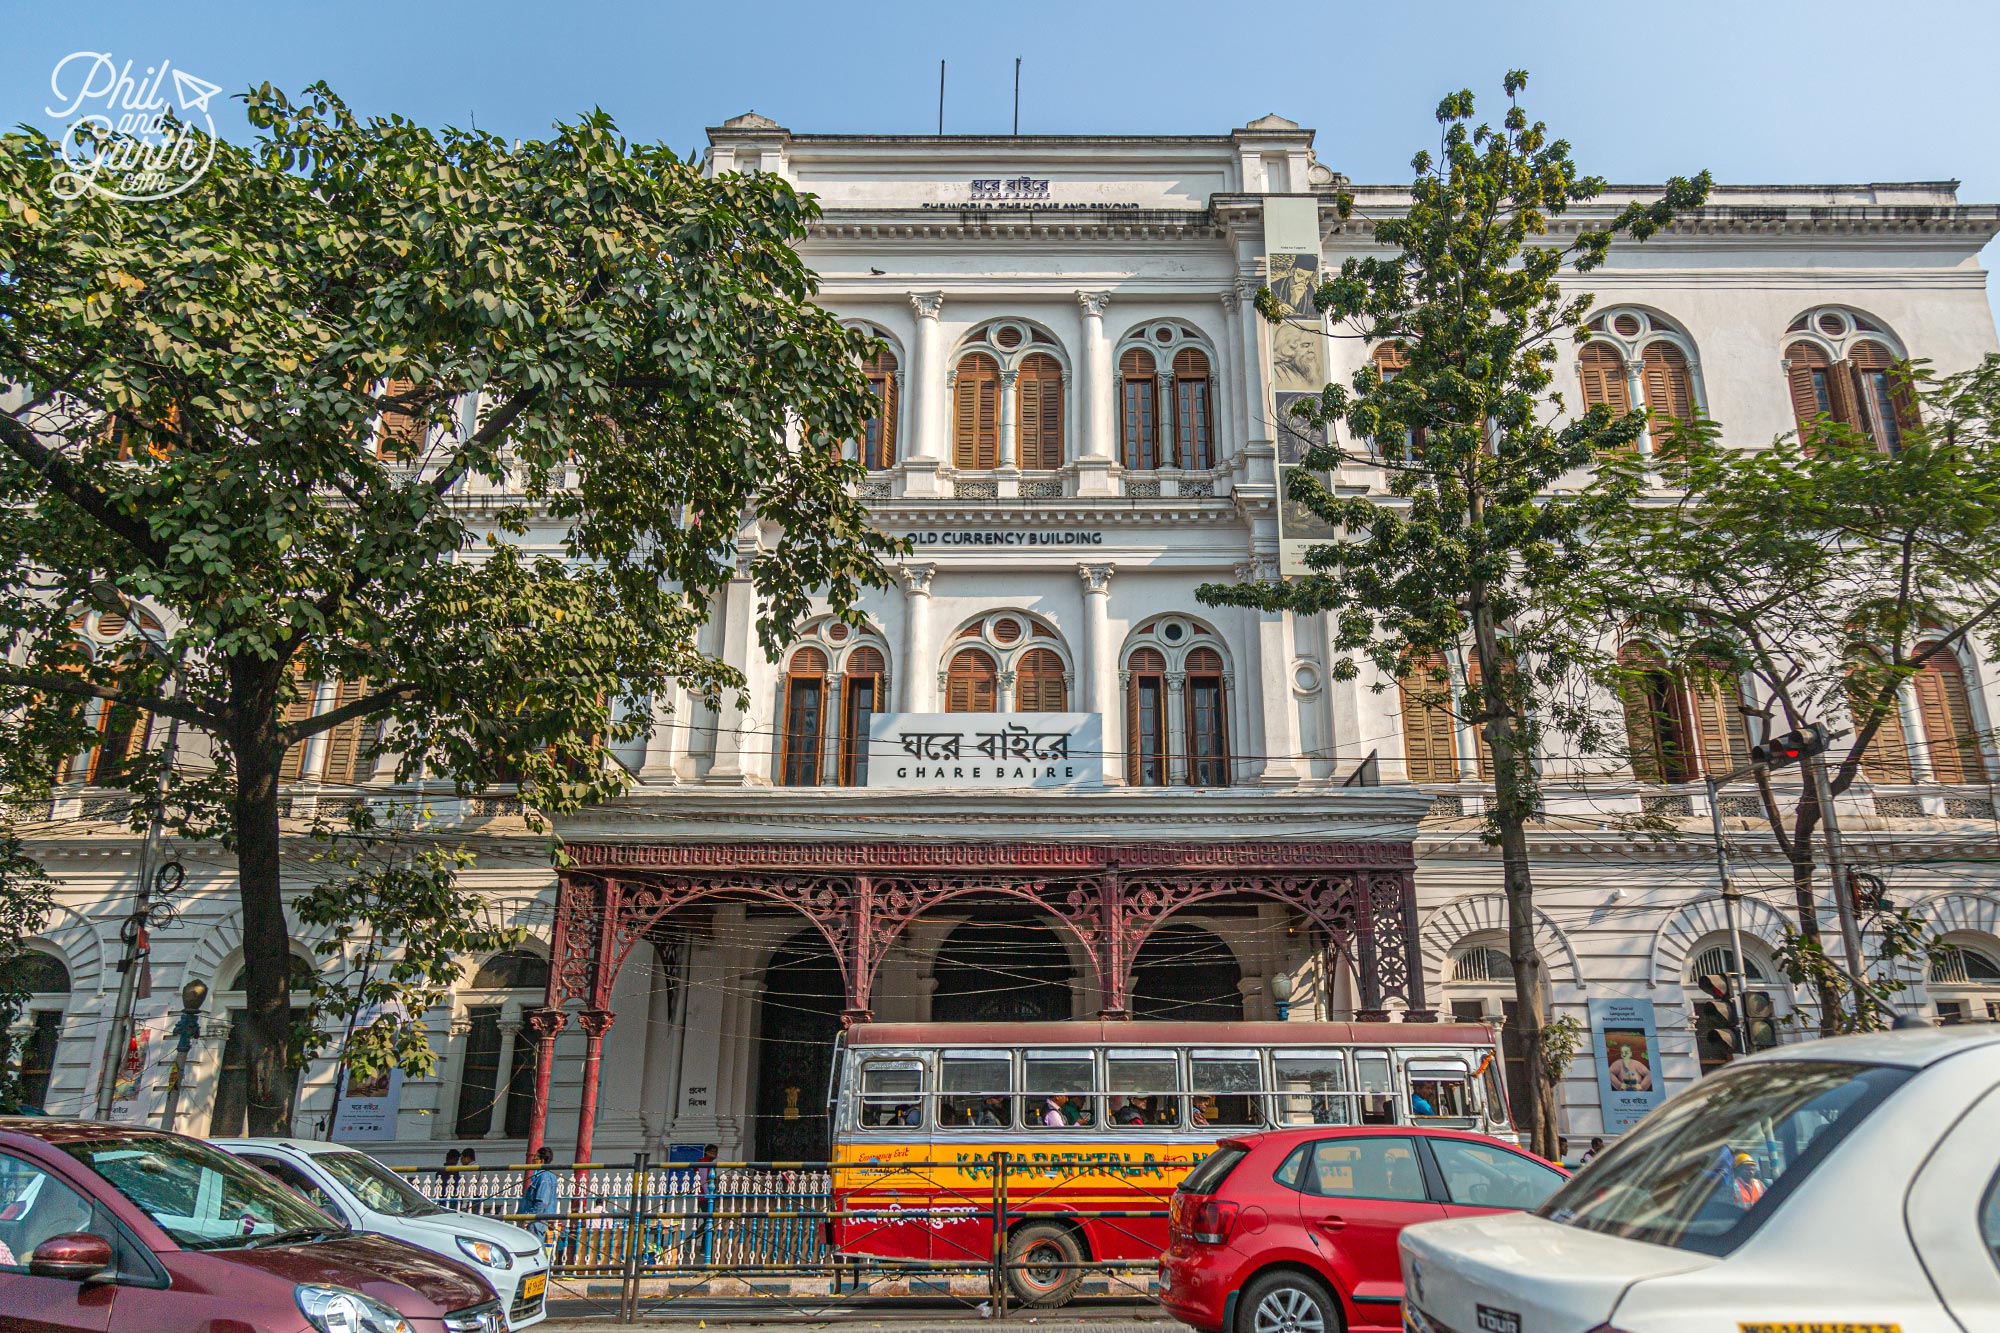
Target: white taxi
{"points": [[1841, 1186], [368, 1196]]}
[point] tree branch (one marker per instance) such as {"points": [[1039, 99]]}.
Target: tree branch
{"points": [[61, 683], [292, 733], [68, 481]]}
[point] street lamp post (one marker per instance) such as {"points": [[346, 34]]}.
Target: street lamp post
{"points": [[186, 1029], [1281, 994]]}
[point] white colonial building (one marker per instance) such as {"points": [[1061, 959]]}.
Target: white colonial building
{"points": [[1077, 431]]}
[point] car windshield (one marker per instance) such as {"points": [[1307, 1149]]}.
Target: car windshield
{"points": [[1704, 1171], [201, 1196], [378, 1188]]}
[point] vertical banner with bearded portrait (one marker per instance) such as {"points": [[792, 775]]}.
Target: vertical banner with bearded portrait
{"points": [[1627, 1046], [1298, 365]]}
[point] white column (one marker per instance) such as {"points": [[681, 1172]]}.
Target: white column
{"points": [[510, 1022], [312, 764], [1635, 398], [1269, 633], [1227, 388], [739, 642], [916, 689], [929, 408], [1009, 407], [1259, 456], [1099, 665], [1177, 742], [671, 715], [1094, 460]]}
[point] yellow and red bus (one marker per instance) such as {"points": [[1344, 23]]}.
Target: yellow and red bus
{"points": [[1077, 1132]]}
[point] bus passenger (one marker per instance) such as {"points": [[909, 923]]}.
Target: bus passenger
{"points": [[1133, 1112], [991, 1113]]}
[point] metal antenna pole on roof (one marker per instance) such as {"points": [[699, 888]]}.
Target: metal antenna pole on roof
{"points": [[1017, 94], [940, 97]]}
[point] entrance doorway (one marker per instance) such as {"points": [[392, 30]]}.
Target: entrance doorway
{"points": [[1187, 974], [1007, 967], [798, 1021]]}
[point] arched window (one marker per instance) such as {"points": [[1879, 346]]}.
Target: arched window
{"points": [[878, 437], [121, 731], [1038, 414], [1842, 368], [1194, 420], [45, 981], [1207, 720], [1038, 683], [1887, 757], [1656, 722], [1964, 981], [805, 707], [1721, 740], [1950, 738], [1669, 385], [1430, 731], [1482, 966], [972, 683], [344, 759], [509, 984], [1146, 719], [975, 439], [1602, 371], [861, 687], [1138, 410]]}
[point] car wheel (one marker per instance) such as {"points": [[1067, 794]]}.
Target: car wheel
{"points": [[1039, 1249], [1287, 1302]]}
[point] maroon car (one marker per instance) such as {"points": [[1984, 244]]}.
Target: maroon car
{"points": [[105, 1228], [1295, 1231]]}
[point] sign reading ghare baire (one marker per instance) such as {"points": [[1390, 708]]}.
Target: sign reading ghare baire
{"points": [[986, 750]]}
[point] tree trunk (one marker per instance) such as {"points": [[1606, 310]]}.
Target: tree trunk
{"points": [[1511, 809], [260, 883], [1804, 902]]}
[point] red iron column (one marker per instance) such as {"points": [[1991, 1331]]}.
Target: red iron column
{"points": [[595, 1022], [546, 1023]]}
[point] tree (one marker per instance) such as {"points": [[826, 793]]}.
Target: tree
{"points": [[395, 929], [1472, 540], [1827, 572], [473, 429], [26, 895]]}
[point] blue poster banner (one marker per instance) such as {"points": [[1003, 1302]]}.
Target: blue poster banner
{"points": [[1626, 1045]]}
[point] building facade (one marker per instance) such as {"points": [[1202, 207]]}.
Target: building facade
{"points": [[1079, 428]]}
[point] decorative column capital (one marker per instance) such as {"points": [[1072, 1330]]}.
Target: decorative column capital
{"points": [[546, 1023], [595, 1022], [1229, 302], [1093, 303], [1096, 578], [1176, 679], [1009, 375], [927, 304], [917, 578]]}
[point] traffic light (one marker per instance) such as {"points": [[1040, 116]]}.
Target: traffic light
{"points": [[1715, 1017], [1761, 1020], [1786, 750], [1870, 893]]}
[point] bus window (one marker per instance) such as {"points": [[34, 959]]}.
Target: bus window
{"points": [[891, 1093], [1441, 1094], [1059, 1085], [1225, 1087], [1312, 1088], [972, 1090], [1144, 1087], [1496, 1091], [1377, 1087]]}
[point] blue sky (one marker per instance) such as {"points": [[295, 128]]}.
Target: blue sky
{"points": [[1755, 90]]}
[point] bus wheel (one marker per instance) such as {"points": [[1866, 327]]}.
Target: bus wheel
{"points": [[1034, 1255]]}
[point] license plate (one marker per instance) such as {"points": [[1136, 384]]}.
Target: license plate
{"points": [[531, 1287]]}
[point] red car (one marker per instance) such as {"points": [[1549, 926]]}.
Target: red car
{"points": [[107, 1228], [1295, 1231]]}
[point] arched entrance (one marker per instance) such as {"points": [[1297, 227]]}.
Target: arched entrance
{"points": [[1003, 967], [1187, 974], [797, 1023]]}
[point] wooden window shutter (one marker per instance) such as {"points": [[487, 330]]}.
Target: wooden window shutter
{"points": [[1801, 360], [1887, 758], [1430, 733], [1669, 385], [804, 713], [298, 710], [1643, 733], [343, 744], [1146, 719], [1194, 426], [1207, 720], [1890, 406], [976, 429], [1602, 370], [1721, 737], [1138, 410], [1473, 680], [971, 684], [1038, 414], [400, 434], [1038, 684], [878, 441], [1946, 709], [860, 700]]}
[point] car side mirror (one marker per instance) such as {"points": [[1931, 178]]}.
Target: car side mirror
{"points": [[78, 1257]]}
